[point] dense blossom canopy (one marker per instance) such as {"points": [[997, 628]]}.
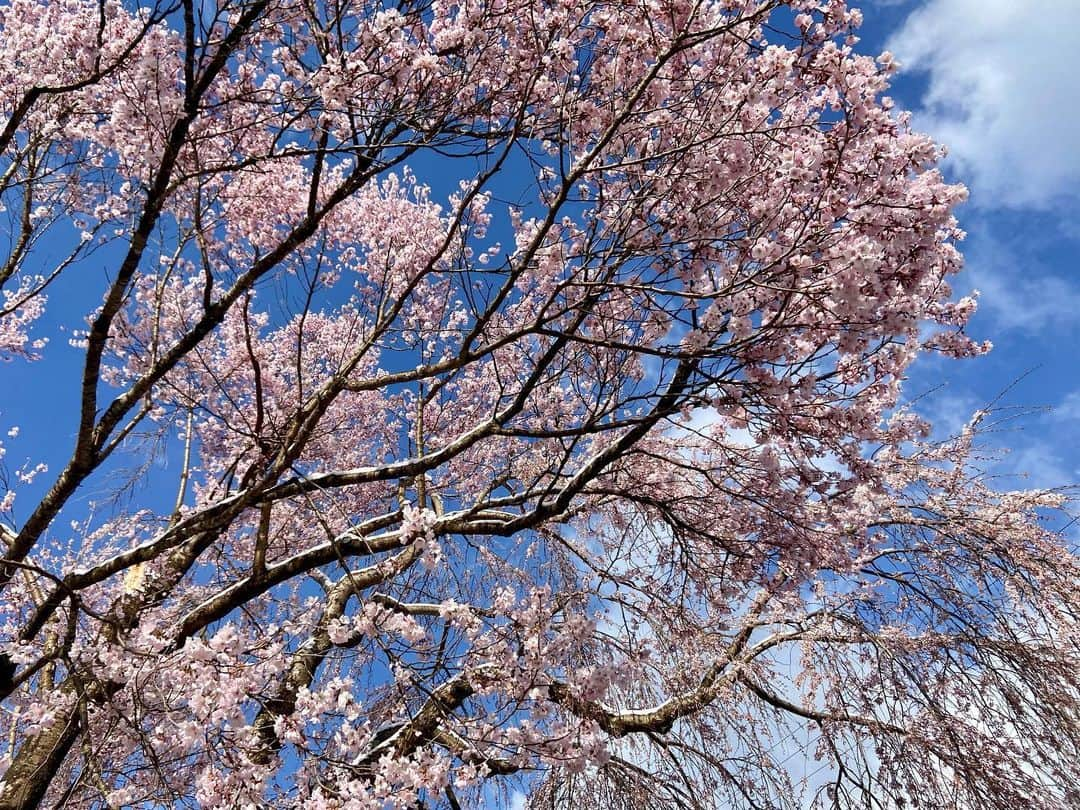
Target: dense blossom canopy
{"points": [[515, 391]]}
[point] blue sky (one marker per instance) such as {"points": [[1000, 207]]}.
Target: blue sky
{"points": [[995, 81]]}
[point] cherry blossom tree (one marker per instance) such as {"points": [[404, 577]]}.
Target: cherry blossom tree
{"points": [[516, 390]]}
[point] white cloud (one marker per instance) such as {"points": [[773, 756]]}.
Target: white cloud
{"points": [[1028, 303], [1020, 289], [948, 410], [1002, 93], [1036, 464], [1068, 410]]}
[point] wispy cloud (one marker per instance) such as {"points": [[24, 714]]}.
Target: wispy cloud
{"points": [[1068, 410], [1001, 94], [1028, 302], [1037, 463]]}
